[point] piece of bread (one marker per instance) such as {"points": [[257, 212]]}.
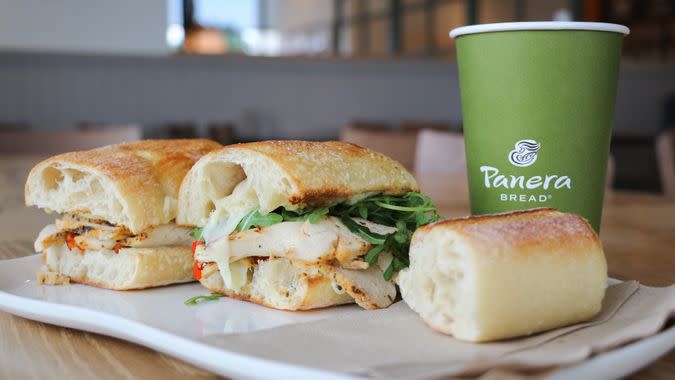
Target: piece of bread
{"points": [[500, 276], [292, 174], [52, 278], [133, 184], [131, 268], [279, 284]]}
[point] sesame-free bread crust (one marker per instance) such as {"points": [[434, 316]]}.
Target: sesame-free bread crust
{"points": [[292, 174], [131, 184], [499, 276], [530, 231], [131, 268]]}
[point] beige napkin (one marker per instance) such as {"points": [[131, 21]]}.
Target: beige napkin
{"points": [[395, 343]]}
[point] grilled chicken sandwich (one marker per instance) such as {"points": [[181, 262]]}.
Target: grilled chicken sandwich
{"points": [[117, 205], [301, 225]]}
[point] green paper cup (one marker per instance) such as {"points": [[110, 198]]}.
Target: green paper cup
{"points": [[537, 103]]}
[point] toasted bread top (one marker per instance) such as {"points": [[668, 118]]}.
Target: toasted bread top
{"points": [[131, 184], [292, 174]]}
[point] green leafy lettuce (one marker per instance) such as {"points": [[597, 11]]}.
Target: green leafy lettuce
{"points": [[199, 299], [406, 213]]}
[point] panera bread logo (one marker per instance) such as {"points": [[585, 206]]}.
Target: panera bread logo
{"points": [[524, 154]]}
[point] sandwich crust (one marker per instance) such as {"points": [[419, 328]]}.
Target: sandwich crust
{"points": [[292, 174], [522, 229], [131, 184], [499, 276], [131, 268]]}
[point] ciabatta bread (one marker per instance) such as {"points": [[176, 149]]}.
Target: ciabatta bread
{"points": [[130, 268], [500, 276], [292, 174], [119, 204], [133, 184]]}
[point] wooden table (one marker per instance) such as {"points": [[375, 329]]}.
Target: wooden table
{"points": [[638, 233]]}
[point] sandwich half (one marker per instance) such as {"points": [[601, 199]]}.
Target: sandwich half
{"points": [[300, 225], [117, 207]]}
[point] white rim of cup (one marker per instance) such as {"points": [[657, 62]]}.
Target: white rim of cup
{"points": [[539, 25]]}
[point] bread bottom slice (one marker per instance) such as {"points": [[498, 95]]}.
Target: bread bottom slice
{"points": [[279, 284], [131, 268]]}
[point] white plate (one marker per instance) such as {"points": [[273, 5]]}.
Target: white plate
{"points": [[157, 318]]}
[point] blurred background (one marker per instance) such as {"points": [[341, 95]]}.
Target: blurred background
{"points": [[75, 74]]}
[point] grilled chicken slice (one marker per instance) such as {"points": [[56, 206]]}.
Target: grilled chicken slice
{"points": [[87, 234], [160, 236], [368, 287], [325, 242]]}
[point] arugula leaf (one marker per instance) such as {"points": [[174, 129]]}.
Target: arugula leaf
{"points": [[407, 213], [373, 254], [362, 231], [255, 219], [389, 272], [292, 216], [199, 299], [317, 215], [363, 211], [197, 234], [403, 208]]}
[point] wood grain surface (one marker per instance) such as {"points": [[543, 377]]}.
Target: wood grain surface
{"points": [[638, 233]]}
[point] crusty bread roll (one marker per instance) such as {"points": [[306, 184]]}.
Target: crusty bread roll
{"points": [[292, 174], [500, 276], [133, 184], [131, 268]]}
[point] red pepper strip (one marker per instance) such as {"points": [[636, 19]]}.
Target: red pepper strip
{"points": [[196, 244], [117, 247], [70, 241], [197, 270], [257, 259]]}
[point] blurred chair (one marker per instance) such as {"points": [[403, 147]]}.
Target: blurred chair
{"points": [[99, 126], [665, 155], [440, 166], [398, 145], [416, 126], [10, 126], [173, 130], [440, 153], [53, 141], [181, 131], [371, 125], [222, 132]]}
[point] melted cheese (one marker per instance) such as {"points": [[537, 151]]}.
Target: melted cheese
{"points": [[230, 211], [222, 221]]}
